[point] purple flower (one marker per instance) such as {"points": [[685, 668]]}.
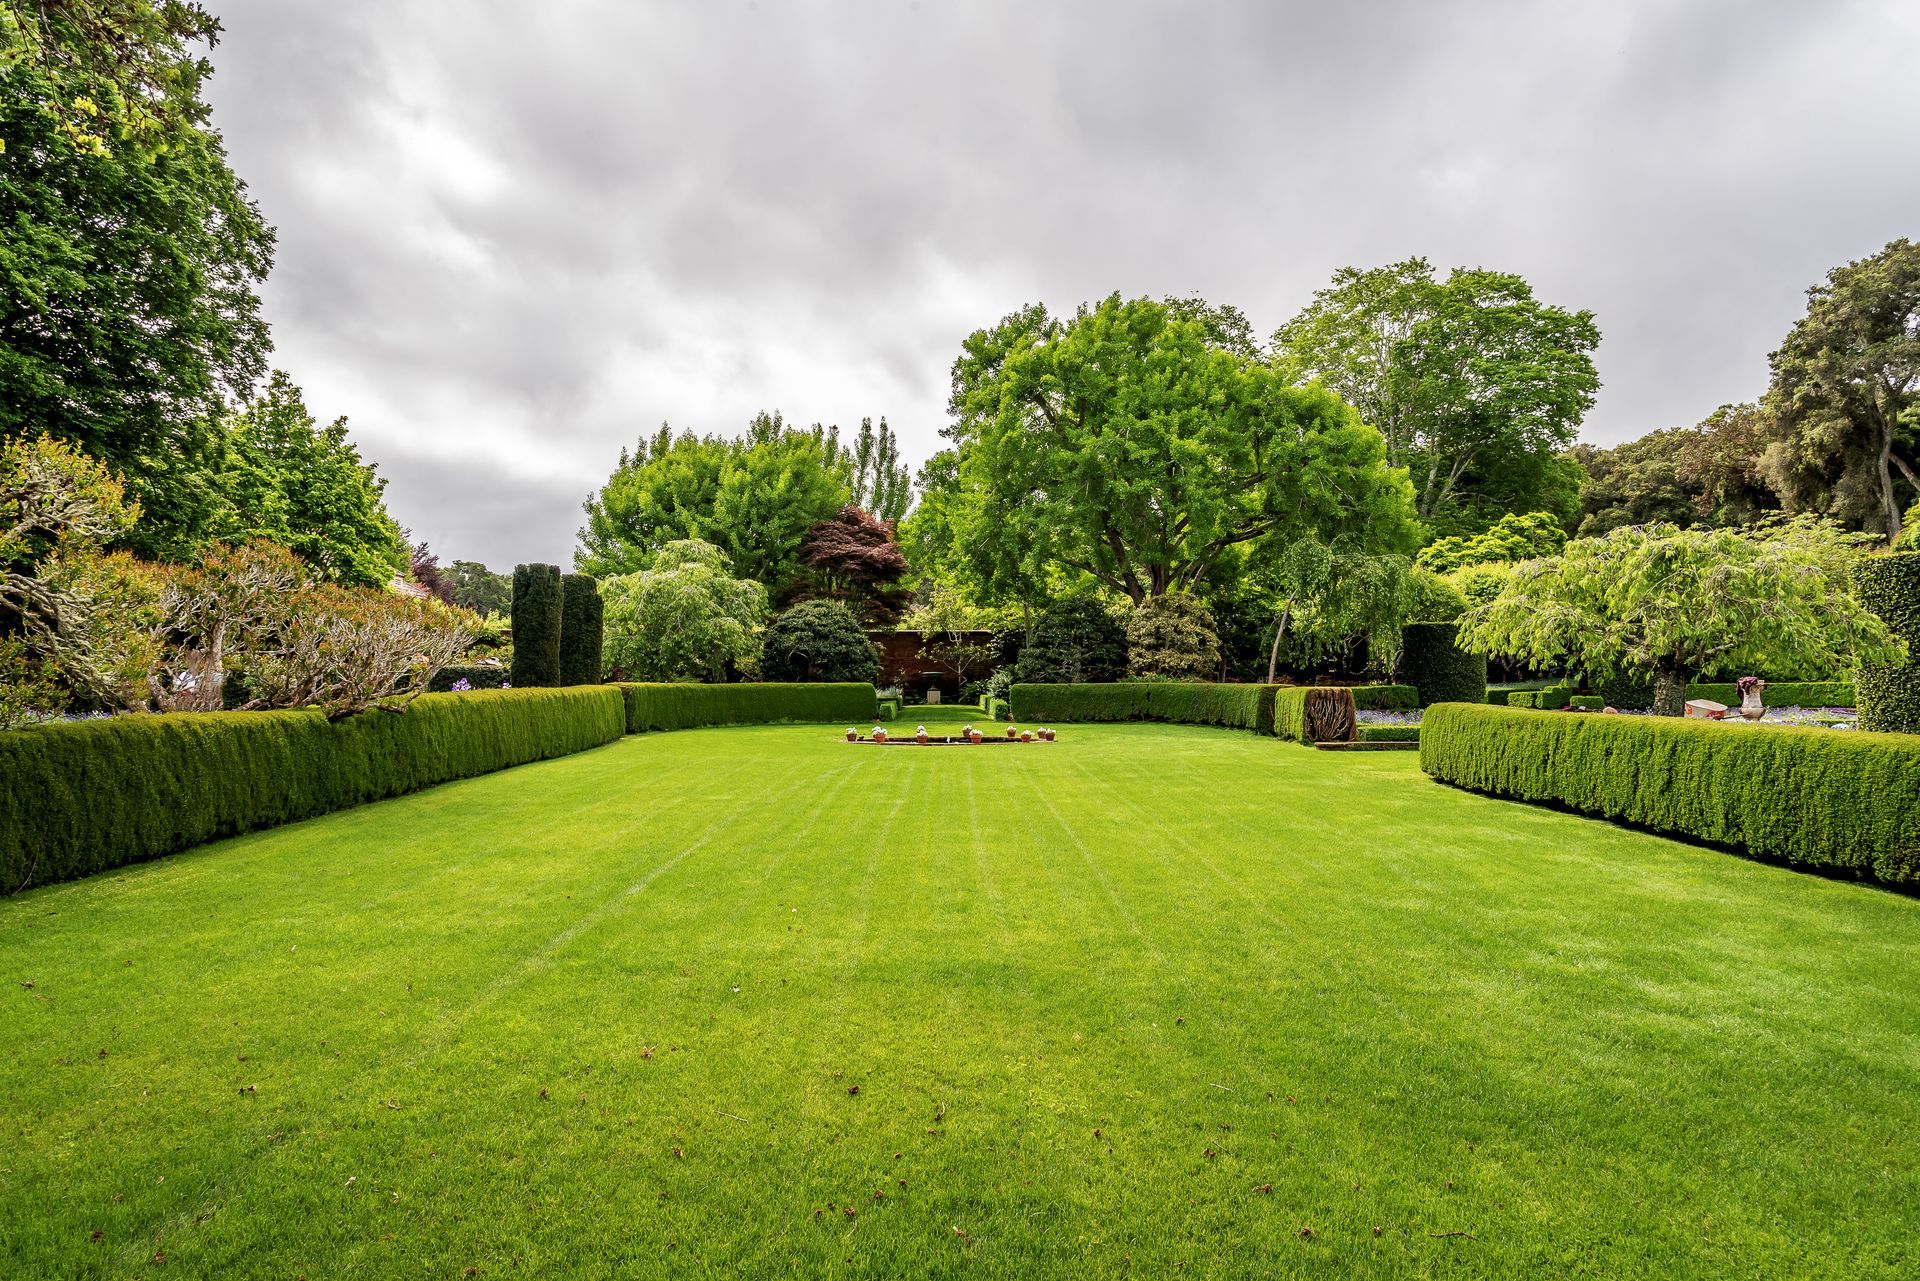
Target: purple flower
{"points": [[461, 686]]}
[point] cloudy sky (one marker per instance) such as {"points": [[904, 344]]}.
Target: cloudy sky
{"points": [[513, 236]]}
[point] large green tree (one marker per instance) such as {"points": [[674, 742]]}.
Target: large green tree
{"points": [[305, 487], [754, 497], [1713, 473], [1653, 599], [1476, 384], [1128, 446], [1845, 394], [130, 257], [687, 617]]}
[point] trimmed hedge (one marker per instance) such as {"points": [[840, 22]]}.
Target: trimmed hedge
{"points": [[81, 797], [1439, 669], [1818, 797], [1550, 699], [1177, 702], [582, 630], [1386, 698], [1587, 703], [536, 626], [1290, 711], [1389, 733], [997, 709], [1889, 693], [477, 675], [1781, 693], [686, 706]]}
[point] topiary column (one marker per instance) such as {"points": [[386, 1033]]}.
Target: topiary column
{"points": [[1433, 664], [581, 630], [1888, 694], [536, 625]]}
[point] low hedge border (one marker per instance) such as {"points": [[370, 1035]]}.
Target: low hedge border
{"points": [[1815, 797], [1389, 733], [1550, 699], [675, 706], [997, 709], [1386, 698], [1781, 693], [1177, 702], [84, 796], [476, 675]]}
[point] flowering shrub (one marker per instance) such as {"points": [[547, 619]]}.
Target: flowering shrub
{"points": [[463, 685]]}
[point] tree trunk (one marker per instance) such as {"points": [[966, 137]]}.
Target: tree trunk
{"points": [[1669, 691], [1279, 633], [1889, 504]]}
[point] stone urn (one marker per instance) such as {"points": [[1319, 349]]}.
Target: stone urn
{"points": [[853, 736], [1752, 697]]}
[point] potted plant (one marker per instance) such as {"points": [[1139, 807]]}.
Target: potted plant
{"points": [[1026, 736], [853, 735], [879, 735], [920, 735], [1751, 688], [1012, 732], [974, 735]]}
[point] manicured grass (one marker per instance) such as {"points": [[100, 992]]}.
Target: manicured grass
{"points": [[607, 1016]]}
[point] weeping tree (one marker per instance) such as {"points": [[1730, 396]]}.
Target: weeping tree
{"points": [[1328, 596], [1675, 602]]}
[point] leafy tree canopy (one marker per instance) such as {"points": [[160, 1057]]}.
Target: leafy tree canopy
{"points": [[1845, 394], [478, 588], [130, 316], [1675, 602], [687, 617], [853, 558], [1512, 537], [754, 497], [1128, 447], [1074, 639], [305, 487], [1173, 635], [1475, 384], [1714, 473]]}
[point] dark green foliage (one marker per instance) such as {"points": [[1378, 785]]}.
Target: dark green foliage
{"points": [[1389, 733], [1075, 640], [997, 709], [84, 796], [1173, 635], [1178, 702], [817, 640], [1889, 693], [536, 626], [1811, 796], [582, 633], [1552, 698], [1587, 703], [479, 589], [888, 709], [1432, 663], [476, 675], [1386, 698], [689, 706], [1632, 690], [1777, 693]]}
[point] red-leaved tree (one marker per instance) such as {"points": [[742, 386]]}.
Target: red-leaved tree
{"points": [[853, 557]]}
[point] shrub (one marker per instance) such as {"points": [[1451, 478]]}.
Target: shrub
{"points": [[682, 706], [817, 640], [1889, 693], [1074, 640], [1386, 698], [1389, 733], [84, 796], [581, 630], [1811, 796], [1173, 635], [1439, 669], [1627, 689], [1552, 698], [536, 626], [476, 675], [1587, 702], [997, 709], [1175, 702], [1314, 713]]}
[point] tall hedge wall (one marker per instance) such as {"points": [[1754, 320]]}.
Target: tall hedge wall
{"points": [[84, 796], [536, 626], [1177, 702], [582, 629], [1818, 797], [1386, 698], [1432, 663], [1889, 693], [687, 706]]}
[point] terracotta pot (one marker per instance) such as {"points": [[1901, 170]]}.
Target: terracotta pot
{"points": [[1012, 732], [879, 736], [853, 736], [921, 738], [974, 736], [1026, 737]]}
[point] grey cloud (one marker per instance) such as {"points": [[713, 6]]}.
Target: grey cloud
{"points": [[513, 237]]}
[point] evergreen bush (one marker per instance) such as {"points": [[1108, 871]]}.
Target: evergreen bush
{"points": [[688, 706], [1175, 702], [1075, 640], [536, 626], [1173, 635], [818, 640], [1818, 797], [582, 630], [1438, 668], [476, 675], [1889, 693]]}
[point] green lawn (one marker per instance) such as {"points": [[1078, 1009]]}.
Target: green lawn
{"points": [[1147, 1000]]}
